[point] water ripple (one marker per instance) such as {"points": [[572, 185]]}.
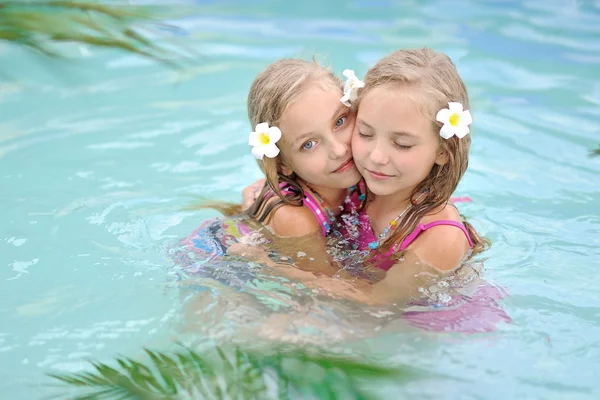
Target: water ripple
{"points": [[97, 161]]}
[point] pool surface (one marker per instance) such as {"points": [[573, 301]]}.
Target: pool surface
{"points": [[98, 158]]}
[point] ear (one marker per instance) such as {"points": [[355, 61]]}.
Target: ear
{"points": [[441, 157], [285, 169]]}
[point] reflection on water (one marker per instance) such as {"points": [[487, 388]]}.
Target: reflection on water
{"points": [[288, 296], [99, 158]]}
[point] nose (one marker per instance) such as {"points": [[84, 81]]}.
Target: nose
{"points": [[378, 155], [340, 148]]}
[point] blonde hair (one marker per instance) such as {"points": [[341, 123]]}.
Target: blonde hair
{"points": [[271, 94], [434, 81]]}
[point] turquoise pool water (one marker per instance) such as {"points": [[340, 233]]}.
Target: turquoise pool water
{"points": [[98, 157]]}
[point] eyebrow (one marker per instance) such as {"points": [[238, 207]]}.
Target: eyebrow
{"points": [[302, 137], [308, 134], [395, 133], [361, 122], [405, 134]]}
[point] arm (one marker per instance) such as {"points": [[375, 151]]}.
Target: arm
{"points": [[296, 238], [314, 273], [437, 253]]}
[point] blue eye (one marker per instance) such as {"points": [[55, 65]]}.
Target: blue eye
{"points": [[340, 122], [308, 145]]}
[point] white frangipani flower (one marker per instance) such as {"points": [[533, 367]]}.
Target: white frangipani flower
{"points": [[351, 87], [455, 120], [263, 141]]}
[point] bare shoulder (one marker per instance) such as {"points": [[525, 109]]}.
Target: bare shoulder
{"points": [[447, 212], [443, 247], [293, 221]]}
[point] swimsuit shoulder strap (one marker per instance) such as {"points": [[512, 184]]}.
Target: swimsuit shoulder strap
{"points": [[423, 227]]}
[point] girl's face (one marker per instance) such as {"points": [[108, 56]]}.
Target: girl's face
{"points": [[393, 143], [315, 143]]}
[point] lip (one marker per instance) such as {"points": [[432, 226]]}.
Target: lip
{"points": [[378, 175], [346, 165]]}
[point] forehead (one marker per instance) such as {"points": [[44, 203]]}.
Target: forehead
{"points": [[394, 108], [311, 111]]}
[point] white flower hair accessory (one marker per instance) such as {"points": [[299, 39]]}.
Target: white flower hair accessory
{"points": [[455, 120], [263, 141], [351, 87]]}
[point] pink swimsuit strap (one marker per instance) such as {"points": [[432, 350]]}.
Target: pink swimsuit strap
{"points": [[423, 227], [313, 205]]}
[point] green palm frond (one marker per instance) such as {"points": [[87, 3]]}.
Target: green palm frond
{"points": [[37, 24], [595, 153], [236, 374]]}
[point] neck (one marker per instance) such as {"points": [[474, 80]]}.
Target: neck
{"points": [[397, 201], [333, 198]]}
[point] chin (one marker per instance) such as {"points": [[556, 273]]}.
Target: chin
{"points": [[343, 181], [379, 188], [349, 178]]}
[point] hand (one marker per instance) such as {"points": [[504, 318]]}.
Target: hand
{"points": [[251, 193], [251, 253]]}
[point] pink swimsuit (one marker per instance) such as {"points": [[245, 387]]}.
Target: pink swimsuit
{"points": [[360, 233], [367, 238]]}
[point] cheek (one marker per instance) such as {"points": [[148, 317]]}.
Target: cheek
{"points": [[309, 163], [408, 160], [417, 161], [358, 146], [347, 135], [350, 129], [343, 136]]}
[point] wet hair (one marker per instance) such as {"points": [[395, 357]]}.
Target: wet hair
{"points": [[432, 82]]}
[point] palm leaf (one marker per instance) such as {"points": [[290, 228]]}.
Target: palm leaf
{"points": [[37, 25], [235, 373], [595, 153]]}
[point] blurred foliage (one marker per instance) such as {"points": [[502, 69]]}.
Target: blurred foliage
{"points": [[236, 373], [40, 24]]}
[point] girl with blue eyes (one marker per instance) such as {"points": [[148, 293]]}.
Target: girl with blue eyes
{"points": [[303, 128], [302, 143]]}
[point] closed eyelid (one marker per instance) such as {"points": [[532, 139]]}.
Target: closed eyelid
{"points": [[363, 130]]}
